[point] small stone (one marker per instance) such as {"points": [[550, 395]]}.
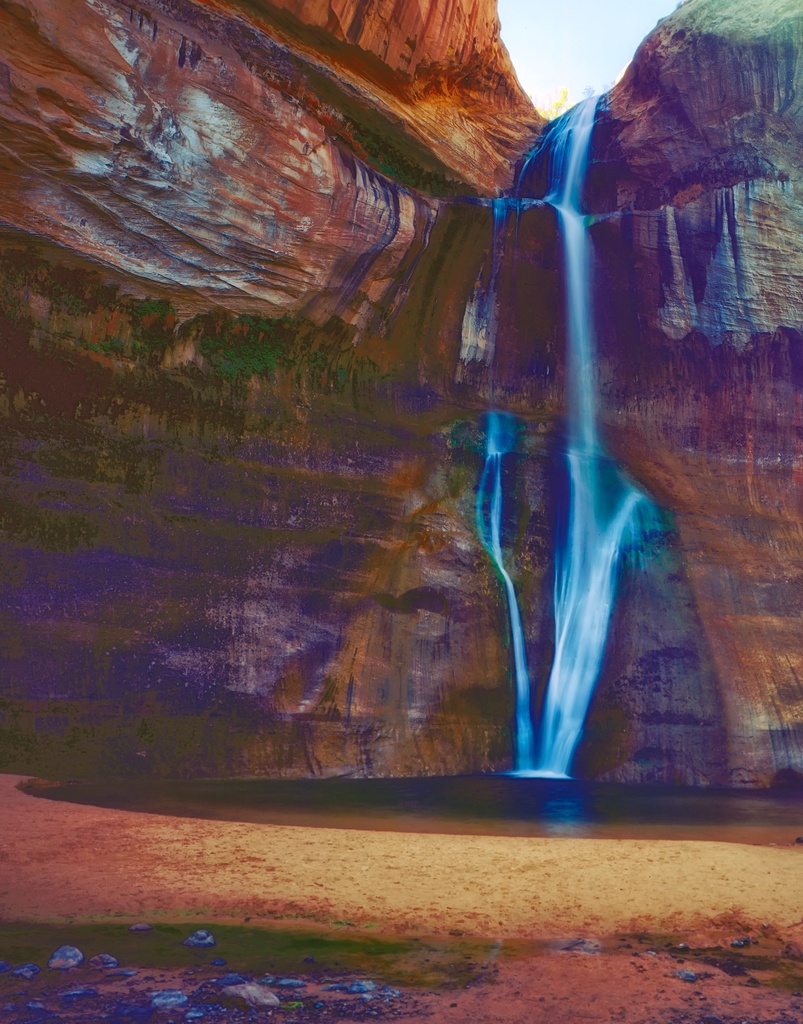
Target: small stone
{"points": [[168, 999], [582, 946], [335, 986], [366, 997], [26, 971], [79, 993], [130, 973], [229, 979], [141, 927], [103, 960], [362, 986], [35, 1005], [266, 979], [202, 939], [683, 945], [218, 962], [740, 943], [290, 983], [686, 975], [309, 959], [390, 993], [66, 957], [194, 1014], [254, 995], [799, 840], [5, 966]]}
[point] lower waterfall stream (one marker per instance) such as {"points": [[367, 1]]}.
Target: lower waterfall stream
{"points": [[603, 510]]}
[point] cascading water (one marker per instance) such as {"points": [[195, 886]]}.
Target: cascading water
{"points": [[500, 441], [603, 506]]}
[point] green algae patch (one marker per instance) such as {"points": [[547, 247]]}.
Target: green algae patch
{"points": [[420, 962]]}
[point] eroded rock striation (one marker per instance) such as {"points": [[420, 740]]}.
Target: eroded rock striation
{"points": [[701, 277], [237, 504], [254, 303]]}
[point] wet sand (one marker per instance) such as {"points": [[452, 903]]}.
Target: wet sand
{"points": [[66, 862]]}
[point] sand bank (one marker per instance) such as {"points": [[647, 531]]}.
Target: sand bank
{"points": [[69, 861]]}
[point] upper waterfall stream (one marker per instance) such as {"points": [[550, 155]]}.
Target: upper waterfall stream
{"points": [[603, 507]]}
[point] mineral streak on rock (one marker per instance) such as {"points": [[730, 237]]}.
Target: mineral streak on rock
{"points": [[699, 165]]}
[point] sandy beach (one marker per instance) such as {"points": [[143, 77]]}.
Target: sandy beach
{"points": [[69, 863]]}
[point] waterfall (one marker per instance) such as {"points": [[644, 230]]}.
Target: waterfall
{"points": [[501, 440], [603, 506], [604, 509]]}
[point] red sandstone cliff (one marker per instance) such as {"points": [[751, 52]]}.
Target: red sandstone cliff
{"points": [[700, 280]]}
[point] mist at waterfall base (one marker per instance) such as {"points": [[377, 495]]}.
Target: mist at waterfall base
{"points": [[503, 805]]}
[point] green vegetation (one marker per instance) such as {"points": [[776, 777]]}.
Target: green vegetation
{"points": [[51, 529], [236, 348], [405, 961], [251, 346], [378, 150]]}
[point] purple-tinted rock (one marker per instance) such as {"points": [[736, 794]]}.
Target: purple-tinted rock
{"points": [[26, 971], [200, 939], [103, 960], [65, 957], [141, 927], [168, 999]]}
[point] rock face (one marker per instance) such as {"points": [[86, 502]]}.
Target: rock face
{"points": [[702, 346], [251, 315], [237, 500]]}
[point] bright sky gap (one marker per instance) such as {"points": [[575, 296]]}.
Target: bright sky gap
{"points": [[579, 45]]}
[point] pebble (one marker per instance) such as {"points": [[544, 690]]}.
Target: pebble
{"points": [[799, 840], [168, 999], [218, 962], [202, 939], [390, 993], [122, 974], [103, 960], [141, 927], [26, 971], [266, 979], [5, 966], [362, 986], [254, 995], [290, 983], [686, 975], [78, 993], [582, 946], [65, 957], [194, 1014], [229, 979], [740, 943], [35, 1005], [335, 986]]}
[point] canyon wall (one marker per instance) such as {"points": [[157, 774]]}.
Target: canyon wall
{"points": [[237, 468], [699, 279], [253, 306]]}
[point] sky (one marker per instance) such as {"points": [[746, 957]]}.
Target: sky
{"points": [[575, 44]]}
